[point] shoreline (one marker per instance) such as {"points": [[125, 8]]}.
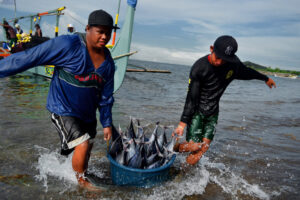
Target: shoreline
{"points": [[278, 74]]}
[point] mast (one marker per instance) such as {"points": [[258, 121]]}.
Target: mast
{"points": [[116, 24], [15, 8], [122, 47]]}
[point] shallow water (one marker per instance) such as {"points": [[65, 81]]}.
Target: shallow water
{"points": [[254, 155]]}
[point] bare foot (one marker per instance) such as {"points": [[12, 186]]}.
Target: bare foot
{"points": [[87, 185], [190, 146], [194, 157]]}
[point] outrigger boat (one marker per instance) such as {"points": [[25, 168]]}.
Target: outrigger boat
{"points": [[120, 50]]}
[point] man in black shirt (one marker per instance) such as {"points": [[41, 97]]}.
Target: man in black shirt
{"points": [[209, 77]]}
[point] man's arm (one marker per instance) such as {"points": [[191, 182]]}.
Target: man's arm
{"points": [[51, 52], [191, 101], [105, 106], [247, 73]]}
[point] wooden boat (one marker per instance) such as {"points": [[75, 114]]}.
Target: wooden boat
{"points": [[292, 76], [120, 51]]}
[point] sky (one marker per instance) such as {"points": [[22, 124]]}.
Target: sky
{"points": [[180, 32]]}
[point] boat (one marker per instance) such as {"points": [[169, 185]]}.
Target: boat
{"points": [[120, 50], [292, 76]]}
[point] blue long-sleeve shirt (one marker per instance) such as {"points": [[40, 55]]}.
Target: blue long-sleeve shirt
{"points": [[77, 88]]}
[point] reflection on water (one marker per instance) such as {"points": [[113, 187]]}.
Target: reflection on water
{"points": [[254, 155], [25, 95]]}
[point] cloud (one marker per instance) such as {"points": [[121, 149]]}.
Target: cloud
{"points": [[271, 51], [178, 31], [163, 54]]}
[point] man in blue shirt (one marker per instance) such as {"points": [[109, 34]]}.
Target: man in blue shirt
{"points": [[83, 81]]}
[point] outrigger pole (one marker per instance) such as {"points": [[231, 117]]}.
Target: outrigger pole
{"points": [[56, 12]]}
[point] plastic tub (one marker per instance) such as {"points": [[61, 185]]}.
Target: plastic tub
{"points": [[123, 175]]}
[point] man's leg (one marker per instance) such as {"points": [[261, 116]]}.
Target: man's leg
{"points": [[80, 157], [76, 135], [80, 161], [209, 129], [193, 135]]}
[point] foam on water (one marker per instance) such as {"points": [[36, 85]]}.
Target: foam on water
{"points": [[53, 164], [195, 180], [183, 185], [192, 182], [232, 183]]}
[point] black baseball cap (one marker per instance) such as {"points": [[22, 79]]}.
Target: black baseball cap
{"points": [[100, 17], [225, 48]]}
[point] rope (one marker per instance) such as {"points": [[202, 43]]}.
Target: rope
{"points": [[75, 19]]}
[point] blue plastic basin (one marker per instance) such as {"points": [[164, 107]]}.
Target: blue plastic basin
{"points": [[123, 175]]}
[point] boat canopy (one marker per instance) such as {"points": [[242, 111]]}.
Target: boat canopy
{"points": [[132, 3]]}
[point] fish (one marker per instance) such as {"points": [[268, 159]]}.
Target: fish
{"points": [[140, 133], [136, 160], [150, 144], [151, 159], [155, 164], [131, 150], [170, 146], [116, 144], [120, 158], [131, 132], [161, 140], [135, 150]]}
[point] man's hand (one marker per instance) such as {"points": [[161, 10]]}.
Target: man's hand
{"points": [[271, 83], [180, 128], [107, 131]]}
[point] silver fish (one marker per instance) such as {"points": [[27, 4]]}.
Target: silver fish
{"points": [[137, 159], [161, 140], [116, 145], [131, 150], [150, 145], [120, 158]]}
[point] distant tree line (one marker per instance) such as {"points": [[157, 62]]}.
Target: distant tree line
{"points": [[269, 69]]}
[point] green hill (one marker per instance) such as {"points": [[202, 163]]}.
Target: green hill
{"points": [[269, 69]]}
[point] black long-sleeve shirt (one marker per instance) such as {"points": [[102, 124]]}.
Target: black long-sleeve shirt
{"points": [[207, 83]]}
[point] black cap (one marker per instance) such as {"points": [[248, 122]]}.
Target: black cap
{"points": [[100, 17], [225, 47]]}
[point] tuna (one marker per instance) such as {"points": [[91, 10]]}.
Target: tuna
{"points": [[135, 150]]}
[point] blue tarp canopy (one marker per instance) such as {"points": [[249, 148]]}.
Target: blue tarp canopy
{"points": [[132, 3]]}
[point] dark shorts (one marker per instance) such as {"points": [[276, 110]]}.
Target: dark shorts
{"points": [[202, 127], [73, 131]]}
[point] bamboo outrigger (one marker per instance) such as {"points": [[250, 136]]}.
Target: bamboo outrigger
{"points": [[33, 17]]}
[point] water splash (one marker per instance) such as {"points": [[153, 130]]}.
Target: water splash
{"points": [[186, 183], [53, 164], [195, 181], [232, 183]]}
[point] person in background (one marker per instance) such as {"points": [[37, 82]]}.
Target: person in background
{"points": [[70, 29], [209, 78], [38, 31], [10, 33], [83, 81], [18, 29]]}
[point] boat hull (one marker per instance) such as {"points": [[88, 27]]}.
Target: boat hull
{"points": [[45, 71]]}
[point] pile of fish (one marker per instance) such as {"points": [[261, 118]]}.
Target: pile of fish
{"points": [[135, 150]]}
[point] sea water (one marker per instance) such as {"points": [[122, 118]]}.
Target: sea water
{"points": [[254, 154]]}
